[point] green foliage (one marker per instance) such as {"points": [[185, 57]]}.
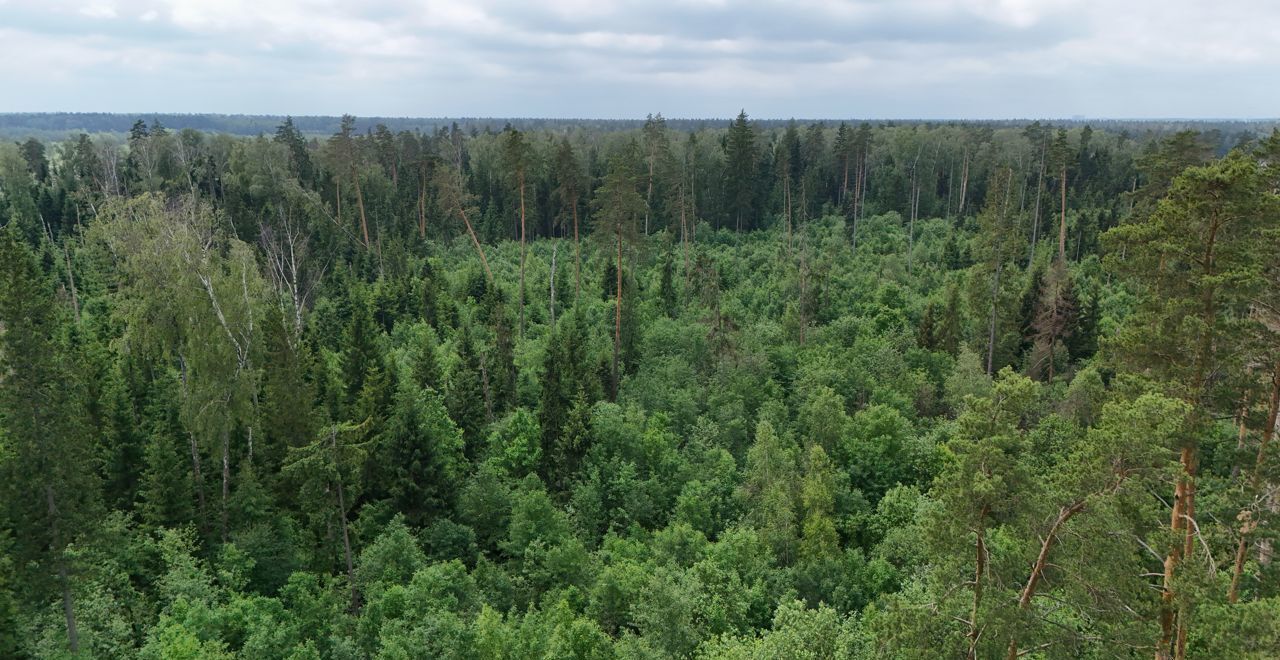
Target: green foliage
{"points": [[833, 393]]}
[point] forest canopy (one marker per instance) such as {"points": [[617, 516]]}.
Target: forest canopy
{"points": [[560, 389]]}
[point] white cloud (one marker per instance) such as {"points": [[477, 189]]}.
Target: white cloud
{"points": [[99, 10], [628, 57]]}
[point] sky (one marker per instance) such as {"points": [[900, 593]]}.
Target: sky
{"points": [[908, 59]]}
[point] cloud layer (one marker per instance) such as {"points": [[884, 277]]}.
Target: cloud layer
{"points": [[625, 58]]}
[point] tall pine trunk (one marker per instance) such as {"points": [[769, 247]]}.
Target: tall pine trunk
{"points": [[577, 256], [554, 250], [422, 207], [1042, 562], [979, 570], [364, 223], [648, 196], [1062, 223], [476, 242], [1035, 214], [991, 326], [844, 181], [226, 480], [522, 252], [342, 516], [1248, 525], [68, 602], [617, 315]]}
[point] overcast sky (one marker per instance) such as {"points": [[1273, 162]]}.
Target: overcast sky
{"points": [[623, 59]]}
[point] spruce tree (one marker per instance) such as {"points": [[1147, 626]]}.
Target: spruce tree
{"points": [[51, 489], [741, 171]]}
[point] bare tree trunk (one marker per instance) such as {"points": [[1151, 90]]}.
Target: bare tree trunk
{"points": [[342, 516], [554, 249], [577, 256], [844, 182], [804, 290], [980, 569], [199, 481], [1035, 215], [786, 200], [364, 224], [1185, 491], [964, 182], [1022, 188], [1042, 560], [693, 200], [1188, 545], [1062, 224], [617, 315], [866, 178], [951, 180], [195, 452], [1177, 523], [484, 386], [991, 326], [68, 602], [522, 252], [71, 278], [1248, 525], [856, 211], [911, 223], [476, 241], [422, 210], [684, 237], [226, 480], [857, 187], [648, 197], [804, 200]]}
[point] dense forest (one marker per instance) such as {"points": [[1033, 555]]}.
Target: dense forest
{"points": [[744, 390]]}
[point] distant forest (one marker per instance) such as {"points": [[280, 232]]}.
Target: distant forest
{"points": [[61, 125], [341, 388]]}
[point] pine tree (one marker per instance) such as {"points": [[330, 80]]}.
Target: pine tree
{"points": [[975, 492], [1197, 261], [454, 198], [618, 208], [1060, 154], [346, 166]]}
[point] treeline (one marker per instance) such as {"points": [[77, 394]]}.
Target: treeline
{"points": [[749, 390], [741, 175], [58, 126]]}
